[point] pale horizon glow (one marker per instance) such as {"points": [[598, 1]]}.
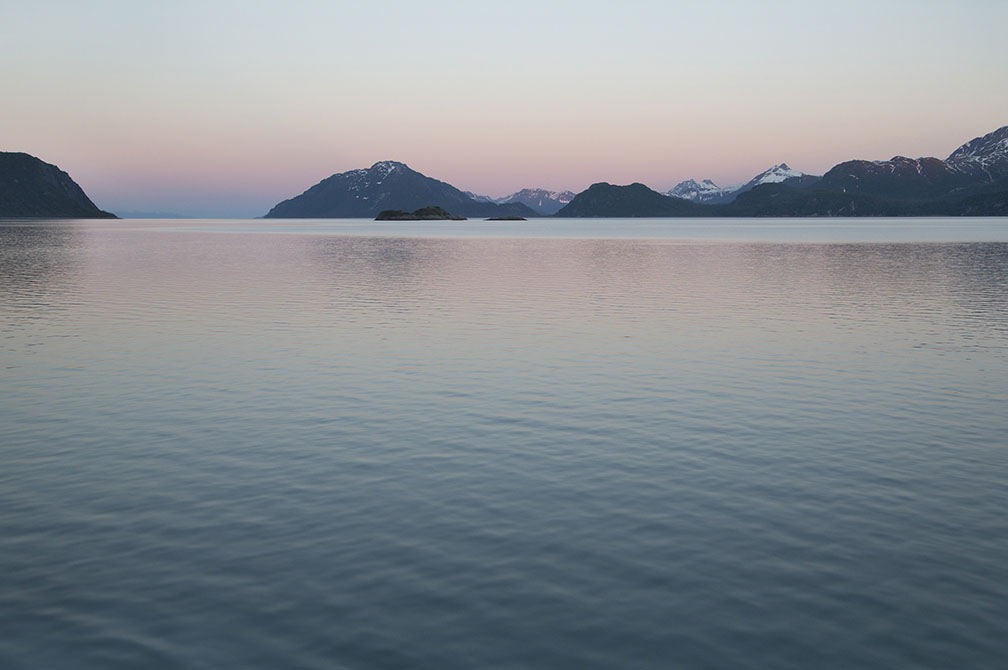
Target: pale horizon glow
{"points": [[226, 108]]}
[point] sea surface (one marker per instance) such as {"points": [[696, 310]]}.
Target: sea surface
{"points": [[546, 444]]}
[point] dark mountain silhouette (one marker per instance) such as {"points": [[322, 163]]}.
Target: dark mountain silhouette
{"points": [[32, 188], [385, 186], [899, 178], [635, 200], [972, 181], [982, 157]]}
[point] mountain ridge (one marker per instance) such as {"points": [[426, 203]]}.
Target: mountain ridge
{"points": [[972, 181], [386, 185], [32, 188], [541, 200], [707, 192], [634, 200]]}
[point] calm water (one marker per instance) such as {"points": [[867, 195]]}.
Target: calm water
{"points": [[616, 444]]}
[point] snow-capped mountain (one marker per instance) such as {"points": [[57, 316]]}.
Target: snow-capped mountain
{"points": [[979, 164], [539, 199], [983, 155], [709, 193], [479, 198], [773, 175], [704, 191], [385, 185]]}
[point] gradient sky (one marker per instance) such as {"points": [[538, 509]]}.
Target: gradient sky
{"points": [[225, 108]]}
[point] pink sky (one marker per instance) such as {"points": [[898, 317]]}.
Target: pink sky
{"points": [[223, 111]]}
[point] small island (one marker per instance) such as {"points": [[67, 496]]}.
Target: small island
{"points": [[507, 218], [422, 214]]}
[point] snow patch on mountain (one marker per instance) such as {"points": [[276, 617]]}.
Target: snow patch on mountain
{"points": [[540, 199], [382, 169], [706, 191], [702, 191], [988, 154], [775, 175]]}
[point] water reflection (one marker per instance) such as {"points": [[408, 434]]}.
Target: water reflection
{"points": [[38, 257], [633, 287]]}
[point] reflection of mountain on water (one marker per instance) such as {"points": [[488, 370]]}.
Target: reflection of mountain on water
{"points": [[643, 289], [40, 262]]}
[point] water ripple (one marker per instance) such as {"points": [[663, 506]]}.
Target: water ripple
{"points": [[233, 446]]}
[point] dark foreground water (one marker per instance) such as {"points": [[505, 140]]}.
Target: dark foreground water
{"points": [[346, 445]]}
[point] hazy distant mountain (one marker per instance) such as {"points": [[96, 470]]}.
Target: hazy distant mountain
{"points": [[709, 193], [539, 199], [635, 200], [151, 214], [30, 187], [386, 185], [973, 181], [479, 198]]}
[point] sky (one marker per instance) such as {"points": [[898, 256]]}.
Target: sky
{"points": [[226, 108]]}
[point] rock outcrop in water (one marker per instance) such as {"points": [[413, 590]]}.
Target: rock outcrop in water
{"points": [[32, 188], [422, 214]]}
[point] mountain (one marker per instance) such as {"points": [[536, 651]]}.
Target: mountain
{"points": [[972, 181], [784, 200], [777, 174], [385, 185], [635, 200], [985, 156], [544, 202], [704, 191], [973, 167], [709, 193], [899, 178], [479, 198], [31, 188]]}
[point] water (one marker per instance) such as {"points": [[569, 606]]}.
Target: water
{"points": [[596, 444]]}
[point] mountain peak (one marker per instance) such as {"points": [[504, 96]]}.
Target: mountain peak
{"points": [[30, 187], [604, 199], [987, 154], [388, 164], [540, 200], [386, 185], [383, 168], [703, 191], [775, 174], [708, 192]]}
